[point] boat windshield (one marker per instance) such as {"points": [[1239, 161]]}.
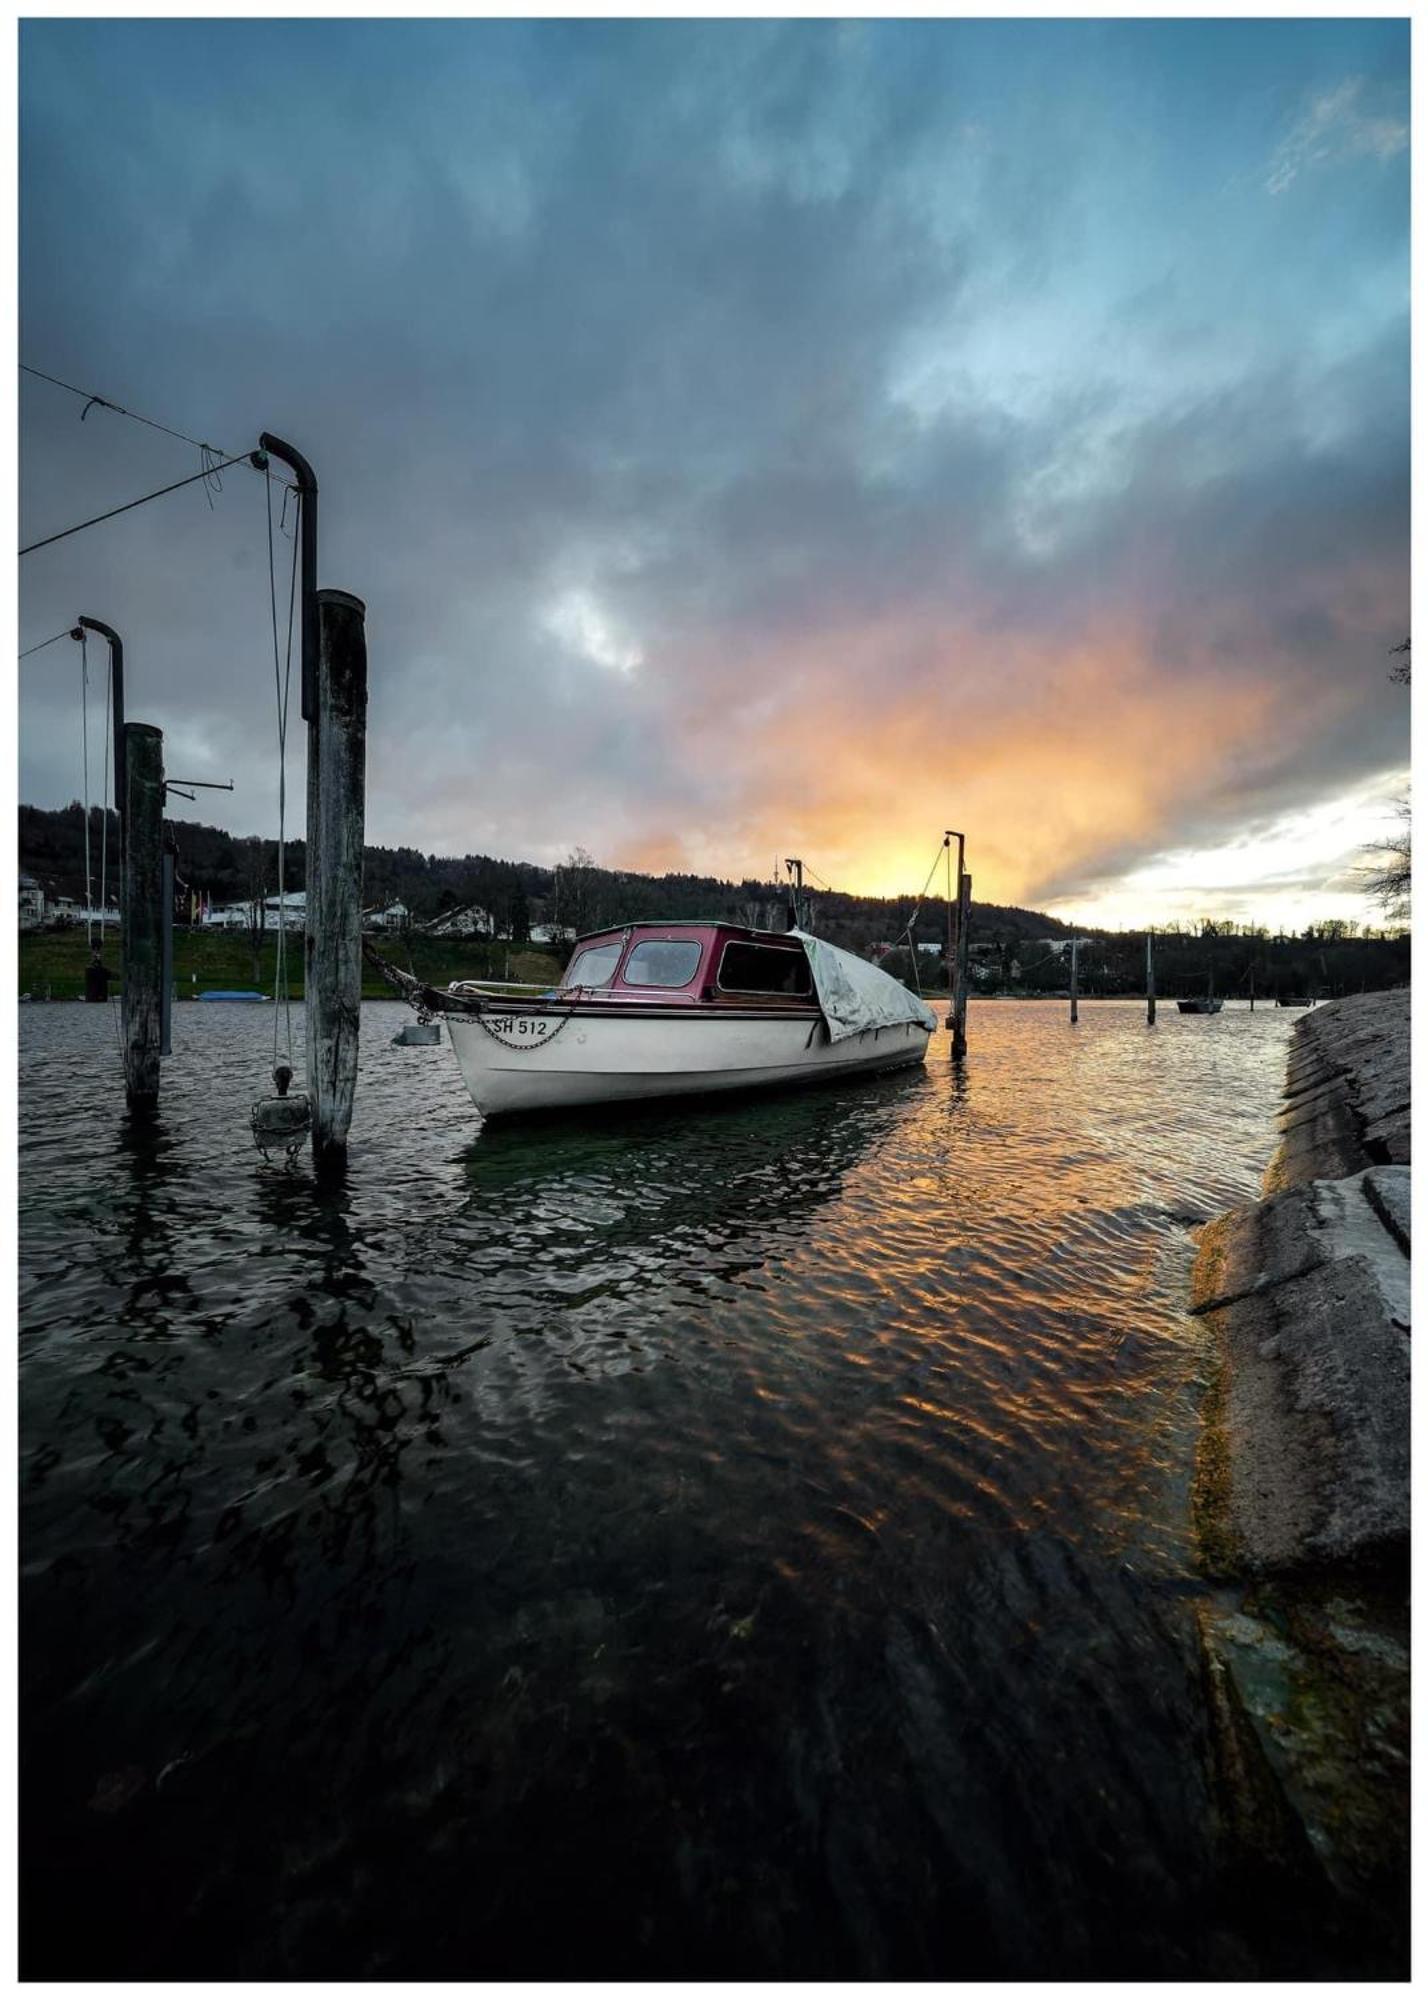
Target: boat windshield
{"points": [[663, 962], [595, 965]]}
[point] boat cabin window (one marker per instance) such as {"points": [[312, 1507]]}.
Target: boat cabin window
{"points": [[763, 968], [595, 965], [663, 962]]}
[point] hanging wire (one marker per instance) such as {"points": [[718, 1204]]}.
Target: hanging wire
{"points": [[142, 501], [922, 896], [67, 633], [282, 675], [208, 458], [84, 737], [103, 402]]}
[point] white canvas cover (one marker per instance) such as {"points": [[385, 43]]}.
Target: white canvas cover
{"points": [[856, 996]]}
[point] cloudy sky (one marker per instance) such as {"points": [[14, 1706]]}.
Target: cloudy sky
{"points": [[752, 438]]}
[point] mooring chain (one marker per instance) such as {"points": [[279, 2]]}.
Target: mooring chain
{"points": [[530, 1042]]}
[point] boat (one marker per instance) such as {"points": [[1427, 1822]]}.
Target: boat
{"points": [[650, 1010], [1205, 1003], [1282, 1002]]}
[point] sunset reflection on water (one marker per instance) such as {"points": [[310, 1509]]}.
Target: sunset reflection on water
{"points": [[736, 1540]]}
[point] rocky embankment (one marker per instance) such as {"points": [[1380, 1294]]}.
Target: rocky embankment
{"points": [[1302, 1498]]}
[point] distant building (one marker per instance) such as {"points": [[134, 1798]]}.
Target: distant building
{"points": [[290, 910], [394, 917], [469, 920], [32, 904], [548, 934]]}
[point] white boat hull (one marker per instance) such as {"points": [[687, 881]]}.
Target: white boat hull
{"points": [[600, 1058]]}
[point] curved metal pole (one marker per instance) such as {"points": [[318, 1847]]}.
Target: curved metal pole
{"points": [[307, 487], [116, 697]]}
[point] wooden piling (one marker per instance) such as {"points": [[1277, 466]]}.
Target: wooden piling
{"points": [[166, 964], [1075, 947], [1150, 977], [336, 823], [143, 913], [964, 945]]}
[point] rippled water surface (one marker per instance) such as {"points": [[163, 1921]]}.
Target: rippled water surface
{"points": [[746, 1539]]}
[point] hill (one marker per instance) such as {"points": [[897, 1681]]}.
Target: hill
{"points": [[578, 895]]}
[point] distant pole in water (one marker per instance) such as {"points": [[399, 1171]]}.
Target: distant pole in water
{"points": [[1150, 977], [797, 912], [143, 877], [953, 895], [337, 798], [1075, 947], [964, 946], [1251, 985]]}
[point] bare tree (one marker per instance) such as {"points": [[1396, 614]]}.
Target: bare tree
{"points": [[578, 893], [252, 853], [1389, 875]]}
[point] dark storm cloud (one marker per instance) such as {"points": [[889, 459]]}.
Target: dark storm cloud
{"points": [[708, 413]]}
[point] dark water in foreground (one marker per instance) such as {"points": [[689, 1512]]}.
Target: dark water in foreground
{"points": [[747, 1540]]}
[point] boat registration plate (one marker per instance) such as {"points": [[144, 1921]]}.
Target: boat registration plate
{"points": [[526, 1027]]}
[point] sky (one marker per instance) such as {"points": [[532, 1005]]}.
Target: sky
{"points": [[750, 438]]}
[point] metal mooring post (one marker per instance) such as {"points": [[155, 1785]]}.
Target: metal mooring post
{"points": [[337, 792], [143, 913], [1075, 946], [307, 531], [1150, 977], [116, 706], [964, 950]]}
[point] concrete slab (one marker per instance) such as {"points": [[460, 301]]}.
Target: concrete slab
{"points": [[1251, 1248], [1315, 1407], [1390, 1189]]}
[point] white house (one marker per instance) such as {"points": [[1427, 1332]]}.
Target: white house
{"points": [[32, 904], [290, 909], [470, 920], [392, 918], [549, 934]]}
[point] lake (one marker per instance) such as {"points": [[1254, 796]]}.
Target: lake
{"points": [[747, 1539]]}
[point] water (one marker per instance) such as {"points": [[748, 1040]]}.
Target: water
{"points": [[741, 1541]]}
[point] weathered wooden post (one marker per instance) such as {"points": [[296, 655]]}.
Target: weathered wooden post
{"points": [[1251, 985], [1075, 947], [1150, 977], [143, 917], [166, 965], [336, 821], [964, 945]]}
